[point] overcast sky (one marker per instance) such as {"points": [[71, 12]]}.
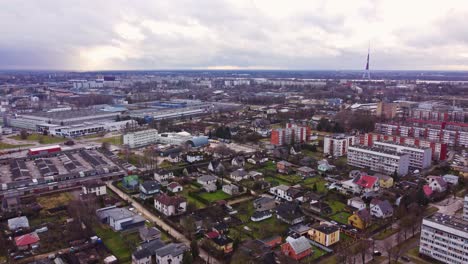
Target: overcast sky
{"points": [[233, 34]]}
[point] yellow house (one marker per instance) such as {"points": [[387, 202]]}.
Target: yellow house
{"points": [[360, 219], [385, 181], [325, 234]]}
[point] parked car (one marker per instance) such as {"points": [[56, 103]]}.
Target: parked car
{"points": [[377, 253], [405, 258]]}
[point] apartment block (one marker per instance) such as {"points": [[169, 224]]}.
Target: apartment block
{"points": [[445, 238], [140, 138], [337, 145], [289, 135], [378, 159], [465, 208], [419, 157], [439, 149]]}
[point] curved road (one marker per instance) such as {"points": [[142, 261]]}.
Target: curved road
{"points": [[160, 223]]}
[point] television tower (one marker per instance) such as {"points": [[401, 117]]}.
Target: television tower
{"points": [[366, 74]]}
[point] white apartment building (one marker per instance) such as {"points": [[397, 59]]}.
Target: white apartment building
{"points": [[419, 157], [378, 160], [337, 145], [445, 238], [465, 208], [140, 138]]}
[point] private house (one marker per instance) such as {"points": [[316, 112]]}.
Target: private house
{"points": [[437, 183], [258, 216], [258, 158], [173, 158], [385, 181], [360, 219], [94, 187], [323, 166], [290, 213], [194, 156], [356, 203], [171, 253], [238, 162], [326, 235], [264, 204], [320, 207], [10, 204], [170, 205], [239, 175], [449, 178], [272, 241], [149, 233], [18, 223], [284, 167], [163, 176], [296, 249], [231, 189], [305, 171], [281, 191], [145, 252], [130, 182], [223, 243], [255, 175], [148, 189], [349, 186], [368, 183], [380, 209], [27, 241], [216, 166], [207, 180], [120, 219], [299, 229], [174, 187]]}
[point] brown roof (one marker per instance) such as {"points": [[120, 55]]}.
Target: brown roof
{"points": [[169, 200]]}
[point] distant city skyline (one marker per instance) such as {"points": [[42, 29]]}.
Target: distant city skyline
{"points": [[239, 35]]}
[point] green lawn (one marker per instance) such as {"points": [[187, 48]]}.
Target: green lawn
{"points": [[341, 217], [413, 254], [115, 242], [318, 181], [293, 179], [9, 146], [215, 196], [280, 181], [336, 206], [41, 139], [386, 233], [117, 140], [190, 199], [267, 228]]}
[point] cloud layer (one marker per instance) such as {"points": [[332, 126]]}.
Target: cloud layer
{"points": [[244, 34]]}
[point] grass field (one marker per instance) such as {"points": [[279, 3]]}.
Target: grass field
{"points": [[341, 217], [280, 181], [118, 245], [52, 201], [318, 181], [41, 139], [336, 206], [4, 145], [190, 199], [214, 196], [117, 140]]}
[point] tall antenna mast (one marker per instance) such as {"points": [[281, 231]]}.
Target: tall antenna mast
{"points": [[366, 74]]}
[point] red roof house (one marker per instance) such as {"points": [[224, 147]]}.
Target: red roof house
{"points": [[27, 241], [368, 183]]}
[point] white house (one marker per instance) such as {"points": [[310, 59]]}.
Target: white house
{"points": [[96, 187], [281, 191], [381, 209], [239, 175], [170, 205], [171, 253], [174, 187], [207, 179], [162, 175], [356, 202], [437, 183], [350, 186], [194, 156], [231, 189], [120, 218]]}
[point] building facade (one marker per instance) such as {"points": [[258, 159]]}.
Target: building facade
{"points": [[289, 135], [419, 157], [378, 160], [140, 138], [337, 145]]}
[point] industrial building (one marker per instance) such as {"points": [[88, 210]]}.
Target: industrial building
{"points": [[337, 145], [378, 159], [151, 136], [140, 138]]}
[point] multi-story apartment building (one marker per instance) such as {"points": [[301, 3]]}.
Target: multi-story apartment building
{"points": [[465, 208], [447, 114], [337, 145], [378, 159], [450, 133], [140, 138], [439, 149], [445, 238], [289, 135], [419, 157]]}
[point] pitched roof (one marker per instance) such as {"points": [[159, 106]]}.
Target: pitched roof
{"points": [[151, 185], [173, 249], [327, 229], [384, 205], [364, 215], [367, 181], [427, 190], [148, 248], [27, 239], [300, 244], [173, 185], [18, 222], [169, 200]]}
